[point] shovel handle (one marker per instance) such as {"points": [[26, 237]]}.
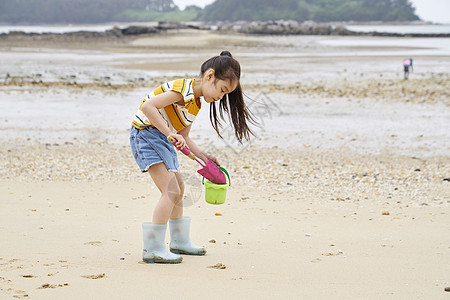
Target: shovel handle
{"points": [[185, 150]]}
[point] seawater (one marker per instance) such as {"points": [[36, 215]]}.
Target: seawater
{"points": [[402, 29], [55, 28]]}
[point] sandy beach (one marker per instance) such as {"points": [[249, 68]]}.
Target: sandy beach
{"points": [[344, 194]]}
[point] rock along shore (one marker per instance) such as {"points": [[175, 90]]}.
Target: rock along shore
{"points": [[278, 27]]}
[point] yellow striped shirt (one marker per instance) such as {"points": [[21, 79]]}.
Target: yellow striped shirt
{"points": [[176, 116]]}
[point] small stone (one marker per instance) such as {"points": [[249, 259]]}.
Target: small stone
{"points": [[97, 276], [218, 266]]}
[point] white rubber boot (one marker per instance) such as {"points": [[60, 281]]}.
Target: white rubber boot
{"points": [[155, 250], [180, 242]]}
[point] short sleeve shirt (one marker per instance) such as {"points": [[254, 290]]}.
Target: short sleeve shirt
{"points": [[176, 116]]}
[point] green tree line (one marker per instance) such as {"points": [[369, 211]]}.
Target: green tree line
{"points": [[316, 10], [101, 11], [79, 11]]}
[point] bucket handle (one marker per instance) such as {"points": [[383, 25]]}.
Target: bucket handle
{"points": [[225, 171]]}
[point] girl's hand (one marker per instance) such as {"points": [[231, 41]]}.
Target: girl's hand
{"points": [[181, 142], [212, 158]]}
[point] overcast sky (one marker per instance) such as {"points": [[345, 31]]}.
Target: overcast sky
{"points": [[428, 10]]}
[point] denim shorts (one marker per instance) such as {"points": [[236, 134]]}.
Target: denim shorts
{"points": [[150, 146]]}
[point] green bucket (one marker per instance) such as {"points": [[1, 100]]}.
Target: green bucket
{"points": [[216, 193]]}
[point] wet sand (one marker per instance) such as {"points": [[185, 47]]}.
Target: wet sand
{"points": [[344, 194]]}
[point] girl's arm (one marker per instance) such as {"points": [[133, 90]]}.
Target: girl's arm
{"points": [[150, 109], [196, 149]]}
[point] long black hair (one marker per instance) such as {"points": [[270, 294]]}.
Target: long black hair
{"points": [[227, 68]]}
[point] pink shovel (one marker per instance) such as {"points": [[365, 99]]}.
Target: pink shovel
{"points": [[210, 171]]}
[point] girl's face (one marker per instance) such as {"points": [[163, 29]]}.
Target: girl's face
{"points": [[214, 89]]}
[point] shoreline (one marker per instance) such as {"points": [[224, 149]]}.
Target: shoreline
{"points": [[273, 27], [413, 91]]}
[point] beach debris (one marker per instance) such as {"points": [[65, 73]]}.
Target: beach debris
{"points": [[339, 252], [212, 241], [94, 243], [139, 80], [96, 276], [52, 286], [446, 179], [21, 294], [218, 266], [28, 276], [105, 80], [218, 214], [447, 289], [385, 213], [330, 254], [71, 79], [308, 234], [36, 78]]}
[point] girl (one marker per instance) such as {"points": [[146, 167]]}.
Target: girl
{"points": [[169, 111]]}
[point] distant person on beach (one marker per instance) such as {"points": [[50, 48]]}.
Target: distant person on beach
{"points": [[407, 64], [168, 111]]}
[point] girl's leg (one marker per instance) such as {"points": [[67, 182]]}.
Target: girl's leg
{"points": [[171, 193], [177, 211], [171, 186]]}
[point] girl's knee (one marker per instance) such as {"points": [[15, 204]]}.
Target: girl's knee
{"points": [[175, 192], [181, 186]]}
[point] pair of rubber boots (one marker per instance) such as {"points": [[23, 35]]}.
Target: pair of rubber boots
{"points": [[155, 250]]}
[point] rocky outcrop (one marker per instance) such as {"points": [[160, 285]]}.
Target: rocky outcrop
{"points": [[290, 27], [282, 27]]}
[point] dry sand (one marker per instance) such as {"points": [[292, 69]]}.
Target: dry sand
{"points": [[347, 210]]}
